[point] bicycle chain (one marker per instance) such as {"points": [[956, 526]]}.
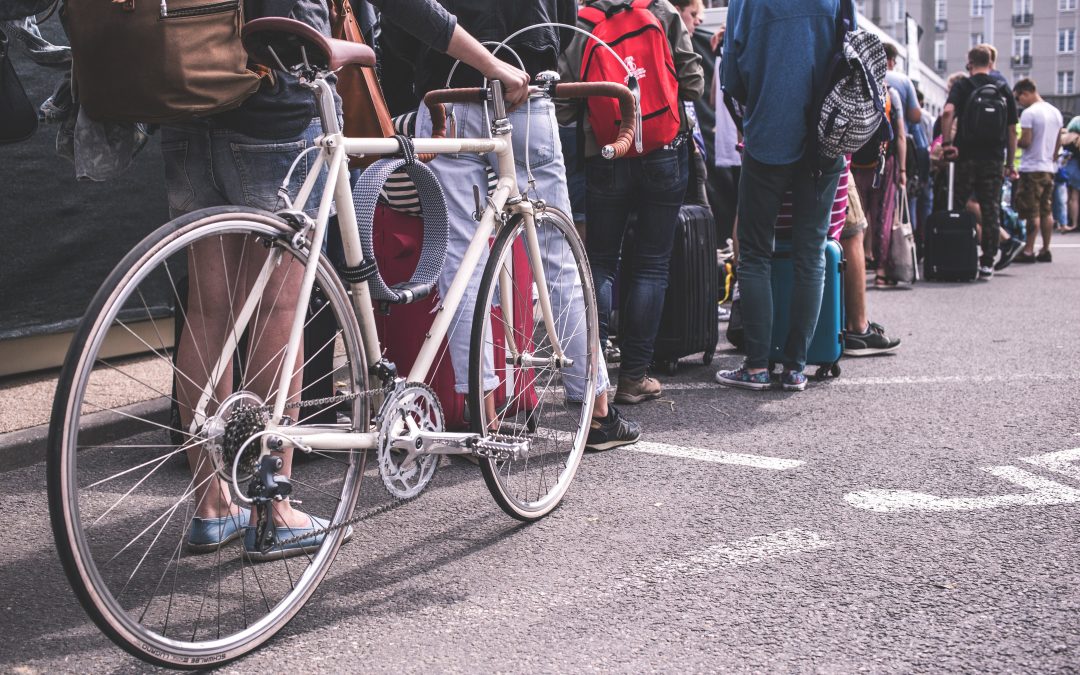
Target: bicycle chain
{"points": [[481, 450]]}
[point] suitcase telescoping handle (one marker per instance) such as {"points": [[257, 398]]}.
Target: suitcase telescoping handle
{"points": [[952, 174]]}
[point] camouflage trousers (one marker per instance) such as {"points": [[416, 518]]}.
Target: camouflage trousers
{"points": [[982, 179]]}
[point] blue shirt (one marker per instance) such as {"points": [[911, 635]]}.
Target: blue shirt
{"points": [[776, 54]]}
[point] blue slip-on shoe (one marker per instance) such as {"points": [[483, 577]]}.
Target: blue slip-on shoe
{"points": [[209, 534], [740, 378], [308, 544], [793, 380]]}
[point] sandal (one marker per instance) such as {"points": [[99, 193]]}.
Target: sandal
{"points": [[884, 282]]}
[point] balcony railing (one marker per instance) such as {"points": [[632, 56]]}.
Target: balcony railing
{"points": [[1021, 61], [940, 65], [941, 26], [1021, 20]]}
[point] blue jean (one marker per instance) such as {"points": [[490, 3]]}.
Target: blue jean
{"points": [[652, 187], [458, 173], [1061, 202], [761, 190], [208, 166]]}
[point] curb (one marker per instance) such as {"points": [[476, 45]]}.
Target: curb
{"points": [[28, 446]]}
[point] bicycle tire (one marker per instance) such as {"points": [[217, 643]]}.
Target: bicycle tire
{"points": [[76, 461], [555, 425]]}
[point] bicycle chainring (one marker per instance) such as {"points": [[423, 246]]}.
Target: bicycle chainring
{"points": [[408, 411]]}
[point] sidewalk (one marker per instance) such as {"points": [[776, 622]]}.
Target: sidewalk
{"points": [[26, 406]]}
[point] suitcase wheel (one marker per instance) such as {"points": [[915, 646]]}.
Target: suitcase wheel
{"points": [[671, 367], [707, 357], [825, 372]]}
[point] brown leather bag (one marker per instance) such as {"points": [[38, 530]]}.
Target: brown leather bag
{"points": [[159, 62], [362, 101]]}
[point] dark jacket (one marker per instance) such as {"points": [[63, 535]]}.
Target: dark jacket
{"points": [[491, 21]]}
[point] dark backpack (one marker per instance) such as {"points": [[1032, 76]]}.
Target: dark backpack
{"points": [[985, 115], [638, 37]]}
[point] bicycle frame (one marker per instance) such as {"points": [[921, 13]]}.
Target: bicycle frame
{"points": [[333, 154]]}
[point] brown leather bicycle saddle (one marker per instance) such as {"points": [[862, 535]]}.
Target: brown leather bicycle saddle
{"points": [[294, 42]]}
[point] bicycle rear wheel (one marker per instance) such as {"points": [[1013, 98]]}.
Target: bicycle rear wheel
{"points": [[122, 496], [537, 398]]}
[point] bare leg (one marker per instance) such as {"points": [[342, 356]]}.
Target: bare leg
{"points": [[1046, 226], [855, 282], [1033, 227], [220, 275]]}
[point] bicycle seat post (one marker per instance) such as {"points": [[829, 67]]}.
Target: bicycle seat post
{"points": [[324, 96]]}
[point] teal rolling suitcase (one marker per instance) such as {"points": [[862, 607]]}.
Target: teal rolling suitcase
{"points": [[827, 345]]}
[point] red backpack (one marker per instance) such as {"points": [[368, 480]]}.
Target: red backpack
{"points": [[638, 38]]}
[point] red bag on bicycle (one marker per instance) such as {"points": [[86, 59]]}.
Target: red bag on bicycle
{"points": [[638, 37], [398, 238]]}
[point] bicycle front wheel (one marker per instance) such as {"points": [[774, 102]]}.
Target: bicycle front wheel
{"points": [[195, 320], [538, 397]]}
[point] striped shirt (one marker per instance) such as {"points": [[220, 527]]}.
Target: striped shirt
{"points": [[836, 220]]}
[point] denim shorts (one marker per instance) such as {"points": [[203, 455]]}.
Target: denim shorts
{"points": [[211, 166]]}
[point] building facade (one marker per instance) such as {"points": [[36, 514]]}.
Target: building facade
{"points": [[1034, 38]]}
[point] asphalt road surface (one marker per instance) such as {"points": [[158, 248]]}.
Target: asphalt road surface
{"points": [[917, 514]]}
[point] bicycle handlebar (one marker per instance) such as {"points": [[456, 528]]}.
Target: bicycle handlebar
{"points": [[624, 140]]}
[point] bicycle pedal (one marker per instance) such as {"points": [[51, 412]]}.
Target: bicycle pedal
{"points": [[500, 447]]}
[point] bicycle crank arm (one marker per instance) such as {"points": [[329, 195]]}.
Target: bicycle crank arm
{"points": [[448, 443]]}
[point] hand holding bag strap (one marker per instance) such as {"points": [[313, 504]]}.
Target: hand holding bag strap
{"points": [[362, 101]]}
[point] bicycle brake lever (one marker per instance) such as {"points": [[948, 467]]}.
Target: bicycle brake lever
{"points": [[478, 214]]}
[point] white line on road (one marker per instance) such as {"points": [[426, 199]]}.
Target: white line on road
{"points": [[1058, 462], [717, 456], [1043, 492], [908, 380]]}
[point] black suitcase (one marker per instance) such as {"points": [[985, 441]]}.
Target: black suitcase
{"points": [[951, 243], [688, 324]]}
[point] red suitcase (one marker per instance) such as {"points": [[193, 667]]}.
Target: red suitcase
{"points": [[397, 238]]}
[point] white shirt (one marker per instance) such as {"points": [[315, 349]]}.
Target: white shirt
{"points": [[727, 136], [1045, 123]]}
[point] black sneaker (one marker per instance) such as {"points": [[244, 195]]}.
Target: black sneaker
{"points": [[1044, 256], [1009, 250], [612, 431], [985, 271], [870, 343]]}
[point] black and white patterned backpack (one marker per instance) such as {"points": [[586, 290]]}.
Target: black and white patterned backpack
{"points": [[852, 106]]}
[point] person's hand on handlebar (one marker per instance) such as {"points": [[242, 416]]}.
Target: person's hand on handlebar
{"points": [[515, 82]]}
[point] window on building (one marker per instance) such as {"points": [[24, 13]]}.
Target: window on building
{"points": [[1067, 5], [940, 11], [1064, 82], [898, 11], [939, 54], [977, 7], [1022, 46], [1066, 40], [976, 39], [1022, 6]]}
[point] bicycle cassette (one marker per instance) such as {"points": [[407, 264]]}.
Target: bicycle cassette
{"points": [[412, 409]]}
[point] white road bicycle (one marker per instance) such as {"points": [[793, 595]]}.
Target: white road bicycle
{"points": [[121, 508]]}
